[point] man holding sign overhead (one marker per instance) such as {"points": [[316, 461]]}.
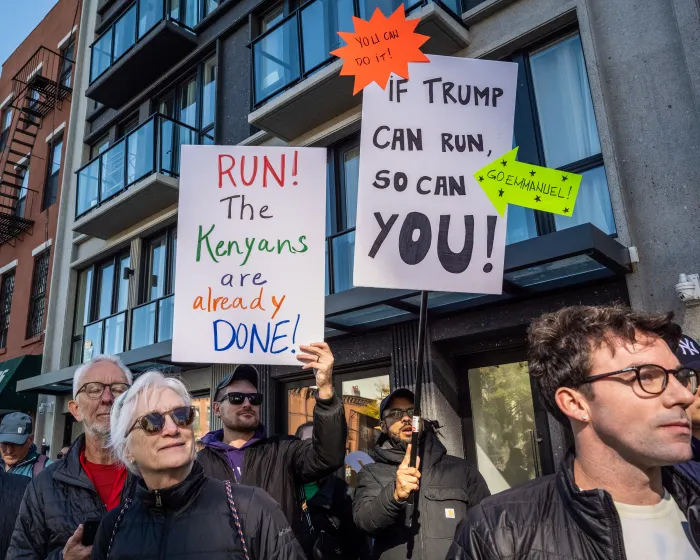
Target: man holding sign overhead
{"points": [[281, 465]]}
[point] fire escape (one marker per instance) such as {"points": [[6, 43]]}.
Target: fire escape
{"points": [[38, 88]]}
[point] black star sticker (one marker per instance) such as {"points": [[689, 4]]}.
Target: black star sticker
{"points": [[504, 162], [532, 173], [537, 199], [481, 178], [566, 210], [564, 178], [500, 192]]}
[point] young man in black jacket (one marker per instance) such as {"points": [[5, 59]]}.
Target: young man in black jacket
{"points": [[281, 465], [611, 374], [449, 487], [12, 488]]}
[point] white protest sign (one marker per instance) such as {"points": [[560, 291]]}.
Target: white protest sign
{"points": [[250, 278], [423, 221]]}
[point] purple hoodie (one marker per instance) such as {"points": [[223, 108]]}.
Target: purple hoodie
{"points": [[234, 455]]}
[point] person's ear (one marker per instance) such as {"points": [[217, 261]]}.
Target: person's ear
{"points": [[217, 409], [385, 427], [74, 409], [30, 439], [573, 404]]}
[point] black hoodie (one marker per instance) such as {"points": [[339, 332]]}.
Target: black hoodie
{"points": [[449, 487]]}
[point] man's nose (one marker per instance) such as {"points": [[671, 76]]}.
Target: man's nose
{"points": [[107, 396], [679, 393]]}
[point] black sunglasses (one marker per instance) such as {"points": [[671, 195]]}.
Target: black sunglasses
{"points": [[398, 413], [653, 379], [254, 399], [154, 422]]}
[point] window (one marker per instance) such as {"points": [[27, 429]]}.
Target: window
{"points": [[152, 321], [53, 169], [6, 291], [555, 127], [362, 393], [202, 403], [21, 206], [131, 123], [5, 125], [68, 54], [100, 308], [37, 298], [99, 147]]}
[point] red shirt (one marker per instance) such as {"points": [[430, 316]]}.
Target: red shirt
{"points": [[108, 480]]}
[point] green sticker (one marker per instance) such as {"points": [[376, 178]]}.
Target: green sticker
{"points": [[506, 181]]}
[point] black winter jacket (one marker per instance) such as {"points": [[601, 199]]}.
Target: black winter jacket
{"points": [[12, 488], [193, 520], [449, 487], [280, 465], [59, 499], [550, 518]]}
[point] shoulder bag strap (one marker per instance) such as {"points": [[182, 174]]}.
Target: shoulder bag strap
{"points": [[236, 518], [126, 505], [305, 509], [39, 465]]}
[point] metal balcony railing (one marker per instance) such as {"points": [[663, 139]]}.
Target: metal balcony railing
{"points": [[131, 27], [152, 322], [301, 43], [154, 147], [105, 336]]}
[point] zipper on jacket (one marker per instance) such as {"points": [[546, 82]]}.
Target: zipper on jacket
{"points": [[159, 501]]}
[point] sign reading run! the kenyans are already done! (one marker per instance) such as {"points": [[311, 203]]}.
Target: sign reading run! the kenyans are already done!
{"points": [[423, 220], [250, 275]]}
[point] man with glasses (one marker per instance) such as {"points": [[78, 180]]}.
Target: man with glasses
{"points": [[86, 483], [610, 374], [281, 465], [449, 487], [688, 354]]}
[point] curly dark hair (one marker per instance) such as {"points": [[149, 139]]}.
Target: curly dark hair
{"points": [[561, 344]]}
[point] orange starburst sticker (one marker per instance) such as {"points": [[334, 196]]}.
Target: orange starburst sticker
{"points": [[379, 47]]}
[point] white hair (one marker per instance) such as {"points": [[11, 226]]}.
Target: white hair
{"points": [[83, 369], [122, 416]]}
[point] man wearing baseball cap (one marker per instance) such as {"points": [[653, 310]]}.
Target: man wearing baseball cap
{"points": [[243, 453], [17, 450], [688, 354], [449, 486]]}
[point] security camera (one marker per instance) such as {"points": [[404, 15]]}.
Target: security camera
{"points": [[688, 288]]}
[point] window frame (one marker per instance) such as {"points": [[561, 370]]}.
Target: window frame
{"points": [[6, 306], [170, 235], [37, 299], [65, 72], [5, 130], [50, 195]]}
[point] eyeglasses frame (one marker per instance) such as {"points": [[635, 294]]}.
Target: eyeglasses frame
{"points": [[137, 422], [637, 371]]}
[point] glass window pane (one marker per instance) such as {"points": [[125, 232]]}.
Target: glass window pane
{"points": [[564, 103], [22, 194], [105, 285], [173, 260], [343, 259], [320, 22], [521, 224], [504, 419], [140, 149], [115, 331], [188, 103], [82, 302], [362, 398], [165, 318], [300, 406], [387, 7], [150, 13], [92, 341], [123, 297], [143, 325], [99, 147], [101, 55], [112, 171], [201, 420], [186, 12], [56, 157], [276, 60], [88, 187], [210, 6], [125, 32], [156, 274], [351, 175], [592, 205], [209, 93]]}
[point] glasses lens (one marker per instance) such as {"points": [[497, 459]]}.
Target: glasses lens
{"points": [[235, 398], [153, 423], [183, 416], [397, 413], [652, 378], [118, 388], [94, 390], [254, 398]]}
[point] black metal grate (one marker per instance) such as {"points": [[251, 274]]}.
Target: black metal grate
{"points": [[8, 288], [37, 300]]}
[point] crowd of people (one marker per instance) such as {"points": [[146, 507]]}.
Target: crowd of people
{"points": [[133, 485]]}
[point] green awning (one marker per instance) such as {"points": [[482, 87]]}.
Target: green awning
{"points": [[12, 371]]}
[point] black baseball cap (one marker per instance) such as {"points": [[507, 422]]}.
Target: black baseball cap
{"points": [[244, 372], [402, 392], [16, 428], [688, 352]]}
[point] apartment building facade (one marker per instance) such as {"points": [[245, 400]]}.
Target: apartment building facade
{"points": [[36, 87], [591, 100]]}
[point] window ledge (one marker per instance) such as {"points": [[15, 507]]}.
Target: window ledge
{"points": [[30, 341]]}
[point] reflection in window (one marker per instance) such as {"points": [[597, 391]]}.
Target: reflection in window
{"points": [[351, 177], [105, 283], [156, 271], [592, 204], [504, 420], [150, 13], [188, 102], [125, 32], [201, 420], [320, 22], [209, 93]]}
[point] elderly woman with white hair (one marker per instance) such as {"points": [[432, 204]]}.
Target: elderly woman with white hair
{"points": [[177, 511]]}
